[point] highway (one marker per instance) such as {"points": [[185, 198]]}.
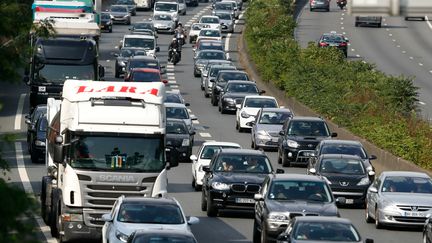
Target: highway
{"points": [[211, 125]]}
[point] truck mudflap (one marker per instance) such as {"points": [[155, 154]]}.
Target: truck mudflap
{"points": [[160, 185]]}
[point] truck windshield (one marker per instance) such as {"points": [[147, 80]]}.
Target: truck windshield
{"points": [[50, 73], [113, 153]]}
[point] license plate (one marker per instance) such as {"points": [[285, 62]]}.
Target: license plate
{"points": [[41, 88], [414, 214], [245, 200], [349, 201]]}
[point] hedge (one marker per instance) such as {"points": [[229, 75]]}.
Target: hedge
{"points": [[353, 94]]}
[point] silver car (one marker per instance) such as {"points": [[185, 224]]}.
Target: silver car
{"points": [[179, 111], [120, 14], [399, 198], [226, 20], [265, 129], [164, 23]]}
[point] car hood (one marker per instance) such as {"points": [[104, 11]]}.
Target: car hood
{"points": [[269, 127], [235, 177], [237, 95], [119, 13], [408, 198], [163, 22], [320, 208], [251, 111], [129, 228]]}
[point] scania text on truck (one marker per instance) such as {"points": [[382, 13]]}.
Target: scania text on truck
{"points": [[106, 140]]}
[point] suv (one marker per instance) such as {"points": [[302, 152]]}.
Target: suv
{"points": [[285, 196], [299, 138]]}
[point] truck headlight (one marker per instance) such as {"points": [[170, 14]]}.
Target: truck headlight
{"points": [[292, 144], [278, 216], [220, 186], [39, 143], [185, 142], [122, 237], [364, 181]]}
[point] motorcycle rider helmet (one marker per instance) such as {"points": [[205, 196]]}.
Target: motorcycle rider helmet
{"points": [[180, 24]]}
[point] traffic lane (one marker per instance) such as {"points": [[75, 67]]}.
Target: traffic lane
{"points": [[10, 95]]}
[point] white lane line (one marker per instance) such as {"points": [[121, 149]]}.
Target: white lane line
{"points": [[387, 29], [353, 49], [18, 116], [412, 58], [205, 134], [422, 103], [398, 46], [390, 34], [420, 64], [403, 52], [342, 28], [341, 22], [357, 55], [342, 18], [171, 78], [170, 74], [175, 90], [343, 33], [25, 180], [174, 86], [430, 71], [394, 40], [428, 23], [195, 122], [108, 60]]}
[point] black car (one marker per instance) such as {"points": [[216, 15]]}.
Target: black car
{"points": [[346, 174], [427, 231], [222, 79], [180, 137], [283, 197], [232, 179], [192, 3], [161, 236], [38, 140], [234, 93], [131, 5], [350, 147], [143, 62], [31, 120], [122, 58], [106, 22], [299, 138], [334, 40], [321, 229], [368, 20]]}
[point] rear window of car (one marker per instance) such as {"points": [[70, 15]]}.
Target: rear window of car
{"points": [[150, 213]]}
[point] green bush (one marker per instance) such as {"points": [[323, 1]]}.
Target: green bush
{"points": [[354, 94]]}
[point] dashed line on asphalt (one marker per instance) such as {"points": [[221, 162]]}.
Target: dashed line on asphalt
{"points": [[195, 122], [18, 116], [422, 103], [205, 134]]}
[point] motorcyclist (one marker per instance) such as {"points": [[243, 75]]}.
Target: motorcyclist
{"points": [[173, 45], [180, 30]]}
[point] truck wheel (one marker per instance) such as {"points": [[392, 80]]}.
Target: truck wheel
{"points": [[45, 197], [55, 214]]}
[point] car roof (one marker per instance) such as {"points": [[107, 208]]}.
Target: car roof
{"points": [[228, 67], [259, 97], [146, 70], [273, 109], [242, 151], [139, 36], [292, 176], [211, 62], [209, 16], [219, 143], [307, 118], [142, 57], [210, 50], [405, 173], [241, 82], [341, 142], [169, 104], [322, 219]]}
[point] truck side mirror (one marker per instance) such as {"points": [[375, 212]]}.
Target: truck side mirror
{"points": [[58, 153], [157, 49]]}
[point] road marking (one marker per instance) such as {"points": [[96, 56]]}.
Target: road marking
{"points": [[342, 28], [108, 60], [18, 116], [385, 24], [398, 46], [394, 40], [175, 90], [353, 49], [387, 29], [22, 172], [174, 86], [390, 34], [430, 71], [420, 64], [195, 122], [411, 58], [342, 18], [171, 78], [343, 14], [357, 55], [170, 74], [205, 134], [428, 23], [403, 52], [422, 103], [341, 22]]}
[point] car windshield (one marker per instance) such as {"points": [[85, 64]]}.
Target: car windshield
{"points": [[300, 190], [240, 163], [139, 42], [170, 7], [342, 166], [223, 6], [43, 124], [177, 112], [125, 2], [148, 26], [211, 55], [209, 20], [227, 76], [325, 231], [343, 149], [105, 16], [51, 73], [210, 33], [214, 71], [143, 64], [119, 9], [145, 77], [407, 184], [224, 16], [132, 52], [277, 118], [260, 103], [115, 153], [163, 17], [155, 213], [175, 127], [173, 98], [155, 238], [241, 88], [210, 150], [308, 128]]}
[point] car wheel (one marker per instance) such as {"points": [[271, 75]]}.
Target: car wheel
{"points": [[379, 25], [378, 224], [279, 160], [214, 101], [110, 29], [256, 233], [285, 161], [203, 201], [196, 74], [252, 143], [328, 9], [211, 209], [264, 238], [368, 218], [356, 24]]}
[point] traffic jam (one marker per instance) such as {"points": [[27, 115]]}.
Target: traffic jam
{"points": [[112, 139]]}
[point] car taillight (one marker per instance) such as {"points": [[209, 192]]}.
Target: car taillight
{"points": [[343, 44], [323, 44]]}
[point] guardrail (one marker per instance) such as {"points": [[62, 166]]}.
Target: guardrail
{"points": [[390, 7]]}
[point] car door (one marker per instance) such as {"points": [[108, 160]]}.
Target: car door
{"points": [[373, 198], [107, 229], [195, 163], [254, 127], [238, 111], [208, 176], [260, 205]]}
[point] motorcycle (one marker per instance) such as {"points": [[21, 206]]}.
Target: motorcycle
{"points": [[180, 39], [175, 56], [341, 4]]}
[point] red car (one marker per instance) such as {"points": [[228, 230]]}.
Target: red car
{"points": [[145, 75]]}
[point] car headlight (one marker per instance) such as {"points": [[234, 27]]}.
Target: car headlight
{"points": [[39, 143], [327, 180], [391, 207], [185, 142], [364, 181], [122, 63], [279, 216], [220, 186], [244, 114], [292, 144], [263, 133], [111, 16], [122, 237], [229, 100]]}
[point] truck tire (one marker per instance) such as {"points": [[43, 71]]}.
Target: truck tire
{"points": [[45, 196], [55, 213]]}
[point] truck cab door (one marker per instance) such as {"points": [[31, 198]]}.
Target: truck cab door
{"points": [[160, 185]]}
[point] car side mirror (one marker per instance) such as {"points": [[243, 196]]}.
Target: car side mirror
{"points": [[372, 157], [282, 133], [206, 168], [27, 121], [262, 92], [369, 241], [238, 106], [26, 72], [130, 28], [192, 133], [312, 171], [373, 189], [106, 217], [193, 157], [334, 134], [341, 200], [258, 197], [115, 54], [157, 49], [280, 171], [193, 220], [229, 58], [26, 80], [164, 81], [187, 104], [283, 237], [251, 123]]}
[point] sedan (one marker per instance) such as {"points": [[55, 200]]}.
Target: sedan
{"points": [[106, 22], [399, 198], [120, 14], [307, 229], [143, 62], [266, 127], [180, 137], [226, 20], [145, 75], [194, 31], [174, 97], [208, 44], [202, 57], [31, 119], [319, 4], [123, 56], [222, 79], [233, 94], [334, 40], [346, 175], [179, 111], [210, 20], [250, 107], [164, 23], [131, 5], [205, 154], [133, 213]]}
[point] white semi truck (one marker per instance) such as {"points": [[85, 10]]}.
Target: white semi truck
{"points": [[105, 139]]}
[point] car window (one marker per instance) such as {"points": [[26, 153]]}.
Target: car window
{"points": [[176, 128], [210, 150], [224, 6], [132, 52], [224, 16], [43, 124], [143, 26], [405, 184], [210, 33], [169, 7], [242, 164], [333, 38], [325, 231], [150, 213], [211, 55], [177, 112], [143, 64], [278, 118], [260, 103], [308, 128], [343, 149], [125, 2], [300, 190], [342, 166], [145, 77], [208, 20], [173, 98], [241, 88], [139, 42]]}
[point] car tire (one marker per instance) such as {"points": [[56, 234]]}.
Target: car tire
{"points": [[252, 144], [264, 238], [203, 201], [196, 75], [328, 9], [34, 158], [425, 239], [379, 25], [378, 224], [356, 24], [279, 160], [368, 218], [205, 94], [285, 161], [110, 29], [211, 209], [214, 101], [196, 186], [256, 233]]}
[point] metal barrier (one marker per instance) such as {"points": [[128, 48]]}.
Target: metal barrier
{"points": [[390, 7]]}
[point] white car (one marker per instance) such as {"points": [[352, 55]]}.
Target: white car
{"points": [[195, 30], [211, 20], [171, 8], [205, 154], [210, 34], [136, 213], [182, 7], [146, 42], [249, 108]]}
